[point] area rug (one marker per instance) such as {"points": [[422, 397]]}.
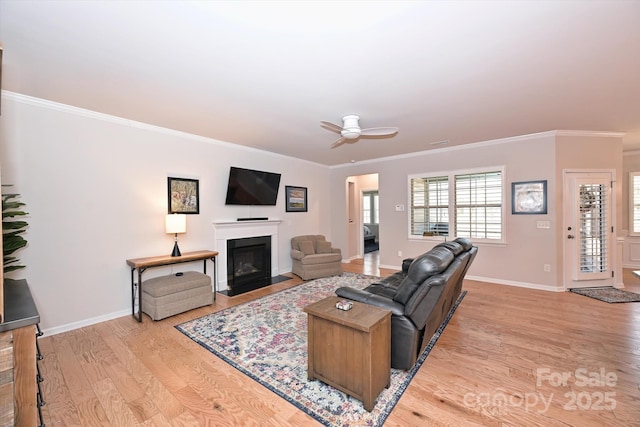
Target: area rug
{"points": [[371, 247], [266, 339], [608, 294]]}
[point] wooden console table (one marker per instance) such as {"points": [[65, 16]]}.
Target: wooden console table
{"points": [[141, 264], [350, 350], [21, 396]]}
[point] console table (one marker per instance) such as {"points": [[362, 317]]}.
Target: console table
{"points": [[141, 264], [21, 396]]}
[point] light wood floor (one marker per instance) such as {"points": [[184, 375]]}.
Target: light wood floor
{"points": [[500, 361]]}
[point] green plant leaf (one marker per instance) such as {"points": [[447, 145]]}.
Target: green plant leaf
{"points": [[14, 225], [11, 230], [9, 268], [11, 214], [10, 260], [8, 204], [9, 247], [9, 234]]}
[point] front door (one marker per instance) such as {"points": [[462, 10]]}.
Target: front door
{"points": [[588, 229]]}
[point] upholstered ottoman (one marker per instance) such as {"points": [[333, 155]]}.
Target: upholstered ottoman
{"points": [[166, 296]]}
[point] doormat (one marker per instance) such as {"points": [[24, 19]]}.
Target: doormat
{"points": [[607, 294]]}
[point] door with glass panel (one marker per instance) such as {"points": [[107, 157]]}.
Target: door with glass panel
{"points": [[588, 230]]}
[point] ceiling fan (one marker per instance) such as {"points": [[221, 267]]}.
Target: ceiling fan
{"points": [[350, 130]]}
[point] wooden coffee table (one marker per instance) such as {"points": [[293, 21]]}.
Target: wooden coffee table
{"points": [[350, 350]]}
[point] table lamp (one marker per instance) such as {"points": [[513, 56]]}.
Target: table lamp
{"points": [[174, 224]]}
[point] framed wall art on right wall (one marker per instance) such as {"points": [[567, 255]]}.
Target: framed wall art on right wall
{"points": [[529, 197]]}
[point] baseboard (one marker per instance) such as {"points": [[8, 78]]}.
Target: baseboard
{"points": [[391, 267], [535, 286], [86, 322]]}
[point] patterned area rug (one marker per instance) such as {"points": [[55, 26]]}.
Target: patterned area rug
{"points": [[608, 294], [267, 340]]}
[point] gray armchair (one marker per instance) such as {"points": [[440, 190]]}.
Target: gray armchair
{"points": [[314, 257]]}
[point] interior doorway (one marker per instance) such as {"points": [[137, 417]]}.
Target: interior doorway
{"points": [[361, 190], [371, 220]]}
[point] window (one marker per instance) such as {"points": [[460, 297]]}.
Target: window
{"points": [[430, 206], [370, 201], [479, 205], [634, 203], [476, 210]]}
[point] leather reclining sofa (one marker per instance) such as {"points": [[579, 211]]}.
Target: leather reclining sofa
{"points": [[419, 296]]}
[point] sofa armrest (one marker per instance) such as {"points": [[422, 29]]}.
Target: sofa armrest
{"points": [[371, 299], [336, 251], [296, 254], [424, 300], [406, 263]]}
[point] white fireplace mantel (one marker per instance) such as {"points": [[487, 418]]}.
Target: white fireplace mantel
{"points": [[225, 230]]}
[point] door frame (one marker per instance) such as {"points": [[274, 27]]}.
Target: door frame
{"points": [[361, 218], [567, 218]]}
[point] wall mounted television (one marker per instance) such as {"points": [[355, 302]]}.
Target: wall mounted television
{"points": [[252, 187]]}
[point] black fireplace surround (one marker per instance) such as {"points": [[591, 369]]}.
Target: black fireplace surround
{"points": [[248, 264]]}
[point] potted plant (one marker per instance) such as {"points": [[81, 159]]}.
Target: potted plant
{"points": [[11, 231]]}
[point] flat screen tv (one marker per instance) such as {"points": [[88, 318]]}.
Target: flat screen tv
{"points": [[252, 187]]}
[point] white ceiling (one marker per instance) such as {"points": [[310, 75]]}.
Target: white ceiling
{"points": [[264, 74]]}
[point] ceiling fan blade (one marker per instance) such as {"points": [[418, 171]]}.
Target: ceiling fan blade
{"points": [[331, 126], [379, 131], [339, 142]]}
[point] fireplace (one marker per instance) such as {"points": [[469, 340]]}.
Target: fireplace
{"points": [[232, 229], [248, 264]]}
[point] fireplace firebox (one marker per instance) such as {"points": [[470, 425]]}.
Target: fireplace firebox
{"points": [[248, 264]]}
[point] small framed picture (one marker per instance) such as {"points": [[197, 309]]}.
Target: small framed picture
{"points": [[296, 199], [529, 197], [183, 195]]}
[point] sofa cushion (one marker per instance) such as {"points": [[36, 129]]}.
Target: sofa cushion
{"points": [[455, 247], [323, 247], [321, 258], [466, 243], [306, 247], [427, 264]]}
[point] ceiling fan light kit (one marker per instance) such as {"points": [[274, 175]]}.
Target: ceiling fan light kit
{"points": [[350, 130]]}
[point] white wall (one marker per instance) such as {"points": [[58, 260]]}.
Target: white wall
{"points": [[520, 261], [600, 151], [96, 192]]}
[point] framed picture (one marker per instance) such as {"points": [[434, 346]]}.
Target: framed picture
{"points": [[183, 195], [529, 197], [296, 198]]}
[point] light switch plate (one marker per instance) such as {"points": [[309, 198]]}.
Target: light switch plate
{"points": [[544, 224], [399, 208]]}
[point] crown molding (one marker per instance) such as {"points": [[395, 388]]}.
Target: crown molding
{"points": [[500, 141], [82, 112]]}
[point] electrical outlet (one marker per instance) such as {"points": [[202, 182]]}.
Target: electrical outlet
{"points": [[399, 253], [547, 268]]}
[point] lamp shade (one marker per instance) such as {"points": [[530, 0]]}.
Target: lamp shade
{"points": [[175, 223]]}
